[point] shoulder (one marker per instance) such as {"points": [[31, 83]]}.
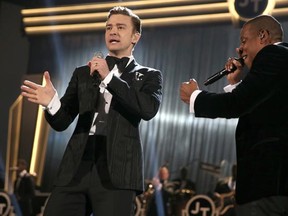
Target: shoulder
{"points": [[141, 70], [147, 70], [145, 73], [139, 67], [82, 68], [81, 71], [272, 55], [274, 49]]}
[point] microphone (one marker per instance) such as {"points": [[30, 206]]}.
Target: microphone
{"points": [[96, 77], [99, 54], [223, 72]]}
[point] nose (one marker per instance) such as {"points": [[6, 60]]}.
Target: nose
{"points": [[113, 31], [240, 50]]}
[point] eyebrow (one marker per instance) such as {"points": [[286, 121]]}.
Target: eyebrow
{"points": [[117, 24]]}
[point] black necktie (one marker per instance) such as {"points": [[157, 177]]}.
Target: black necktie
{"points": [[121, 63]]}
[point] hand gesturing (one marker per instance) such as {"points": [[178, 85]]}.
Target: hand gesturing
{"points": [[39, 94]]}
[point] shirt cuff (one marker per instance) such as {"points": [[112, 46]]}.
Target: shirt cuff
{"points": [[229, 88], [192, 100], [54, 105], [105, 82]]}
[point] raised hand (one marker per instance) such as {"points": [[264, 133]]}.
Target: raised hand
{"points": [[39, 94], [186, 89]]}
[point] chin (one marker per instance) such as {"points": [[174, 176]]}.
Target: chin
{"points": [[113, 49]]}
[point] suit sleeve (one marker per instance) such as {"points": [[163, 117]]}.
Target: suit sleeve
{"points": [[262, 81], [69, 107], [141, 97]]}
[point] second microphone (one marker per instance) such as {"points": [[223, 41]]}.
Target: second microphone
{"points": [[222, 73]]}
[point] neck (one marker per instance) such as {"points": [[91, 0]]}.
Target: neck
{"points": [[120, 55]]}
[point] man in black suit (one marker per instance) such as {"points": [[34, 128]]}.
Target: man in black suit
{"points": [[102, 167], [24, 189], [259, 101]]}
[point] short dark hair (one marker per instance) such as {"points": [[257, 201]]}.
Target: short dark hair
{"points": [[268, 23], [126, 11]]}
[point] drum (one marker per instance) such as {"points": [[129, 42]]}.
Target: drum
{"points": [[138, 207], [180, 199], [5, 204], [142, 201], [199, 205]]}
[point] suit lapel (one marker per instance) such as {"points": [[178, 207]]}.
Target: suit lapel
{"points": [[129, 71], [89, 94]]}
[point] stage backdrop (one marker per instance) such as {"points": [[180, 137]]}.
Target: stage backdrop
{"points": [[174, 137]]}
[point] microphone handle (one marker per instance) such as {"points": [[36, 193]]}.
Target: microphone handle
{"points": [[218, 76], [222, 73], [96, 76]]}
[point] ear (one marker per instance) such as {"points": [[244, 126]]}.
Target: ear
{"points": [[135, 38], [263, 36]]}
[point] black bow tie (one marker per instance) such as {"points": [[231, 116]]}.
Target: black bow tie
{"points": [[121, 63]]}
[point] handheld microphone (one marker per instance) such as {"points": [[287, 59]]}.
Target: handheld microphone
{"points": [[96, 77], [98, 54], [223, 72]]}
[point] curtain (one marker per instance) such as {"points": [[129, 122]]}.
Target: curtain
{"points": [[174, 137]]}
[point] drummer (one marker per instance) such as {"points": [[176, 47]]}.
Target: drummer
{"points": [[163, 191]]}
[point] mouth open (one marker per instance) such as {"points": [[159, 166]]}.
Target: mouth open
{"points": [[113, 41], [244, 57]]}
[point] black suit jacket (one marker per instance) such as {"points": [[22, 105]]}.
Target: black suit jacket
{"points": [[136, 95], [260, 103]]}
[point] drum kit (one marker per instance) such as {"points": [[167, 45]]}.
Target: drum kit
{"points": [[182, 201], [176, 202]]}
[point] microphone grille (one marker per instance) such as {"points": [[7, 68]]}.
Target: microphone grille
{"points": [[99, 54]]}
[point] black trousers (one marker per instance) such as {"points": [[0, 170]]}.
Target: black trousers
{"points": [[91, 190]]}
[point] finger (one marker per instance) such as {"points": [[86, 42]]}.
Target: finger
{"points": [[29, 96], [192, 80], [230, 64], [93, 70], [31, 84], [182, 87], [27, 89], [47, 77], [184, 83], [33, 100], [237, 63]]}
